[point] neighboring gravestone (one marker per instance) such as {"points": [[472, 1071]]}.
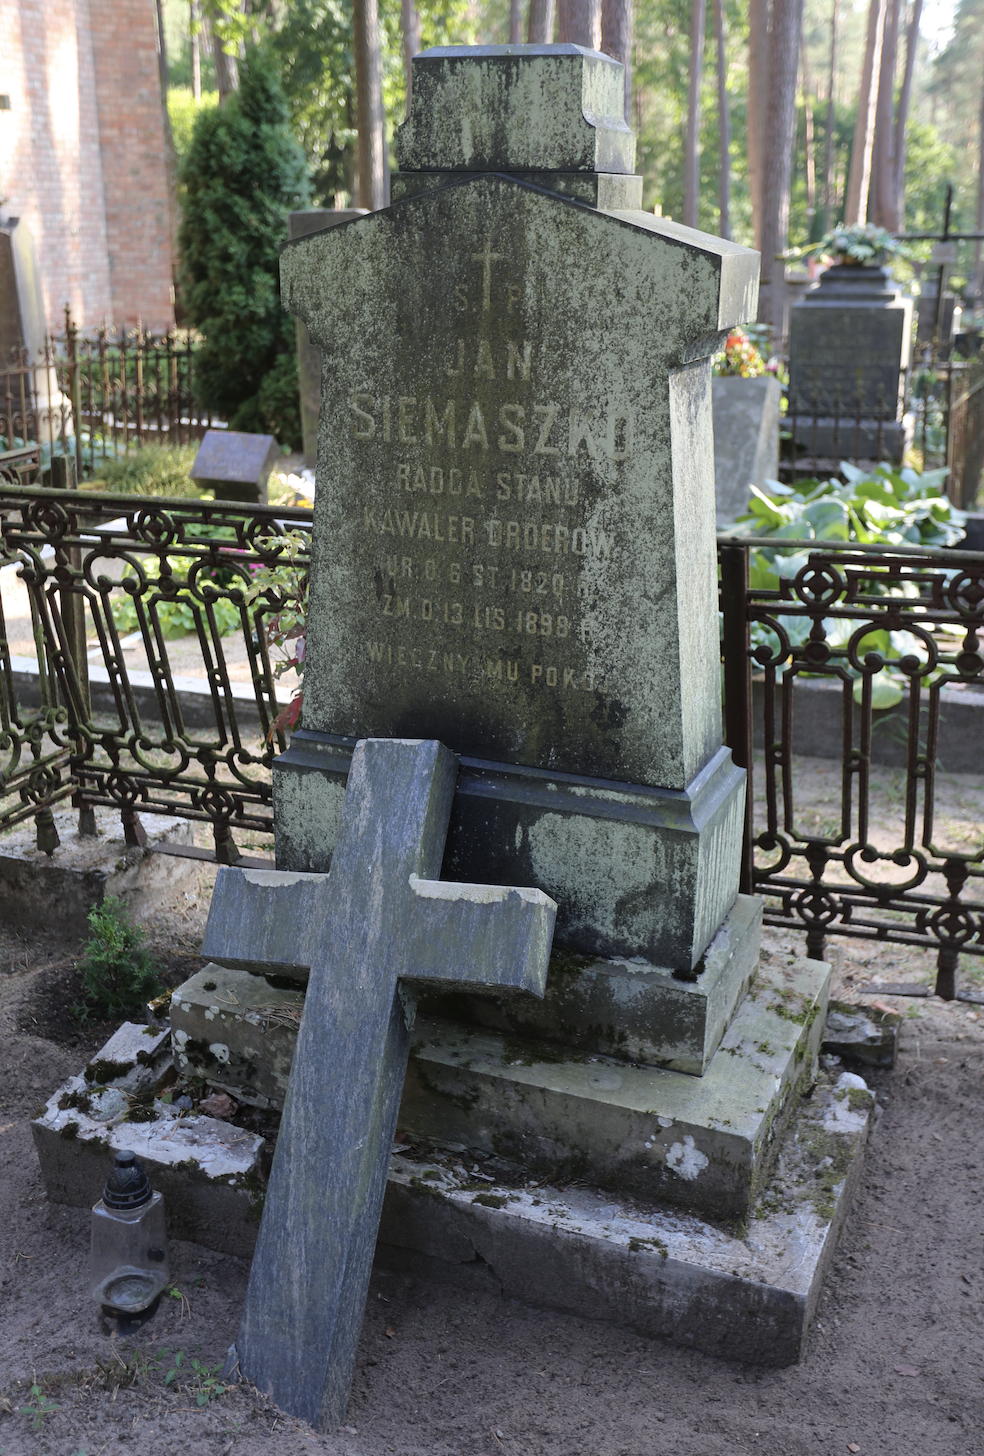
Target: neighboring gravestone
{"points": [[301, 225], [849, 347], [514, 530], [235, 465], [378, 925], [22, 324], [746, 440]]}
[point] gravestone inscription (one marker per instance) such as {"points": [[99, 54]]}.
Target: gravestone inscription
{"points": [[514, 532], [383, 923]]}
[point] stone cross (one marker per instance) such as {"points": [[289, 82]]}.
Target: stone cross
{"points": [[384, 922]]}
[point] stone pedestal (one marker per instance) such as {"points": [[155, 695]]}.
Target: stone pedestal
{"points": [[746, 440], [849, 347]]}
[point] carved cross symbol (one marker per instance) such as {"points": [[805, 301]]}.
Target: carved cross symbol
{"points": [[487, 258], [378, 923]]}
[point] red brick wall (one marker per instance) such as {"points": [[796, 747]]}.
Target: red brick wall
{"points": [[82, 155], [131, 134]]}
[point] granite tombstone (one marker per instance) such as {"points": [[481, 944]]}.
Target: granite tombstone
{"points": [[514, 531], [234, 464]]}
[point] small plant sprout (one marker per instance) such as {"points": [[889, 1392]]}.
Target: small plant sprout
{"points": [[39, 1405]]}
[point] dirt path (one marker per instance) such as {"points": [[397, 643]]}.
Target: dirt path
{"points": [[894, 1365]]}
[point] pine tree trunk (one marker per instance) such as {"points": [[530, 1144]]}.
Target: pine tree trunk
{"points": [[515, 22], [196, 55], [369, 102], [691, 155], [616, 40], [226, 69], [811, 164], [902, 115], [540, 25], [724, 126], [884, 193], [758, 96], [859, 177], [780, 136], [978, 269], [828, 141], [411, 43], [579, 23]]}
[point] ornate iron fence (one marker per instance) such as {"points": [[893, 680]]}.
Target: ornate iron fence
{"points": [[857, 616], [112, 579]]}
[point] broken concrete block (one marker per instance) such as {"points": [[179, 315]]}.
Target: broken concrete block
{"points": [[862, 1033], [133, 1060]]}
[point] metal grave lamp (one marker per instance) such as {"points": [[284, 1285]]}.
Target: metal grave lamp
{"points": [[128, 1265]]}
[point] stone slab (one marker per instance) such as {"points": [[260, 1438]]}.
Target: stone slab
{"points": [[207, 1170], [134, 1059], [746, 440], [236, 465], [635, 870], [629, 1010], [862, 1033], [608, 191], [579, 1250], [554, 108], [59, 890], [237, 1031], [703, 1142]]}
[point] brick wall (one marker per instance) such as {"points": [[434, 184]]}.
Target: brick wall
{"points": [[82, 155]]}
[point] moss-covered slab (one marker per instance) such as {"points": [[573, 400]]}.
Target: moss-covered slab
{"points": [[629, 1009], [863, 1033], [706, 1143], [660, 1271]]}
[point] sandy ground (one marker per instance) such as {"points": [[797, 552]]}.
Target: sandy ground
{"points": [[894, 1365]]}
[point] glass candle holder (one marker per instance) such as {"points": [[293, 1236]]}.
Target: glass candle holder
{"points": [[128, 1264]]}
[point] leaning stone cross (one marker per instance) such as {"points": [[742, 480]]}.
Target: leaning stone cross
{"points": [[378, 923]]}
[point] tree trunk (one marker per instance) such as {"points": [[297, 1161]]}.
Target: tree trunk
{"points": [[616, 40], [579, 23], [758, 93], [828, 142], [226, 69], [540, 25], [411, 43], [515, 22], [170, 154], [978, 269], [811, 165], [369, 104], [884, 193], [196, 55], [902, 115], [724, 126], [691, 156], [780, 136], [859, 177]]}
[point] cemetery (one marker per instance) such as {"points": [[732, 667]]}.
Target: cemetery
{"points": [[490, 855]]}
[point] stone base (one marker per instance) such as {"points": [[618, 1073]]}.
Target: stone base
{"points": [[58, 890], [580, 1250], [862, 1034], [847, 439], [608, 191], [237, 1031], [706, 1143], [635, 871]]}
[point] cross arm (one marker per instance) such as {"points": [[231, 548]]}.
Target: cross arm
{"points": [[266, 920], [489, 937]]}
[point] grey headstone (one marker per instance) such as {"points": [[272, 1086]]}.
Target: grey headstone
{"points": [[235, 465], [300, 225], [22, 323], [746, 440], [384, 923]]}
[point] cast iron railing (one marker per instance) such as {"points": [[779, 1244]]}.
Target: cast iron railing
{"points": [[816, 623], [110, 579]]}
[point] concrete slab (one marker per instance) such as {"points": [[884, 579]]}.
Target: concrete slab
{"points": [[863, 1033], [134, 1059], [59, 890], [237, 1032], [704, 1142], [629, 1009]]}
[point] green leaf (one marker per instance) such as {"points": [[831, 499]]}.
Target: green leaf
{"points": [[884, 692]]}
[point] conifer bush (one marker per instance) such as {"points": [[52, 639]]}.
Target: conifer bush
{"points": [[242, 174]]}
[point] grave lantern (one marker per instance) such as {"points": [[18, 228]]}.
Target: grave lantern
{"points": [[128, 1264]]}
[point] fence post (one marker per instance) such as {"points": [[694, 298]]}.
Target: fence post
{"points": [[74, 390], [63, 477], [736, 644]]}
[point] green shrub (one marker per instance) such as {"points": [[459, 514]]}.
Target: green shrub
{"points": [[242, 174], [119, 974], [153, 470]]}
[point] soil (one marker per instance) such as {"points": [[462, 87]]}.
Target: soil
{"points": [[893, 1364]]}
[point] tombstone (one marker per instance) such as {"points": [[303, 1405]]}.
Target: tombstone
{"points": [[380, 925], [22, 325], [236, 465], [849, 348], [300, 225], [514, 546], [746, 440]]}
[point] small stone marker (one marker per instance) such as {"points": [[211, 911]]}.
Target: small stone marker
{"points": [[235, 465], [385, 923]]}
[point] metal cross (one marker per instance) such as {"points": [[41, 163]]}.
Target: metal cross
{"points": [[381, 922]]}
